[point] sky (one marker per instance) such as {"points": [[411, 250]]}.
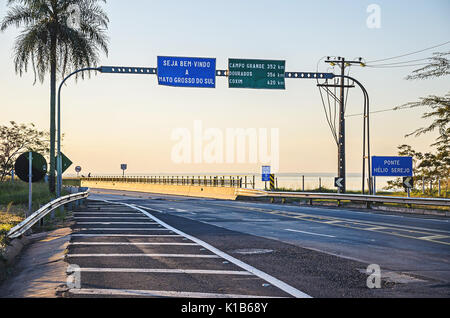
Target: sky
{"points": [[111, 119]]}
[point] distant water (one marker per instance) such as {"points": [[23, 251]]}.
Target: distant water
{"points": [[284, 180]]}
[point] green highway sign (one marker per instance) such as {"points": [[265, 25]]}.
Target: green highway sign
{"points": [[66, 162], [258, 74]]}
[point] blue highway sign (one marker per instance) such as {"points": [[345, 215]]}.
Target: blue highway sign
{"points": [[392, 167], [187, 71], [266, 173]]}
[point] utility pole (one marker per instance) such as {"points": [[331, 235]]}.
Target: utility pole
{"points": [[343, 63]]}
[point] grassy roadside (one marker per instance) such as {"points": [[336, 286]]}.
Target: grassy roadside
{"points": [[14, 206]]}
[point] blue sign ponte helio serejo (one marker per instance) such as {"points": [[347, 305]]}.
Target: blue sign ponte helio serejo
{"points": [[187, 71], [392, 166]]}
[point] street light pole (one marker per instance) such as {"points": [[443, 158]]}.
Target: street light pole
{"points": [[58, 156], [101, 69]]}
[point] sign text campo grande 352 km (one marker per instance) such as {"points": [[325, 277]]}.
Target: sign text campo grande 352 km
{"points": [[260, 74]]}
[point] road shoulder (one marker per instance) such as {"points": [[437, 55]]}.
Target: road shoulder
{"points": [[40, 269]]}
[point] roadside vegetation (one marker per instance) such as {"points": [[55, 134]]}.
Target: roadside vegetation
{"points": [[14, 206]]}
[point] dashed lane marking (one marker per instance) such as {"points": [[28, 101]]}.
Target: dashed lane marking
{"points": [[310, 233]]}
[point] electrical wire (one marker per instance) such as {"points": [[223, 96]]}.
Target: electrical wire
{"points": [[396, 66], [411, 53], [388, 110], [404, 62]]}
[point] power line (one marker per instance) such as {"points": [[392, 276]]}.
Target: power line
{"points": [[388, 110], [395, 66], [407, 54], [404, 62]]}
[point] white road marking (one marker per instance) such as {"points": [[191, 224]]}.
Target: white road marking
{"points": [[126, 235], [103, 213], [144, 255], [121, 229], [116, 223], [155, 293], [376, 228], [270, 279], [163, 270], [290, 230], [433, 237], [132, 243], [112, 217]]}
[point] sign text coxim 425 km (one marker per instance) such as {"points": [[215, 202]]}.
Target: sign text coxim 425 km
{"points": [[257, 74]]}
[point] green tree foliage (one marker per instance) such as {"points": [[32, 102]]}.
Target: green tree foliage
{"points": [[58, 36], [16, 139], [432, 166]]}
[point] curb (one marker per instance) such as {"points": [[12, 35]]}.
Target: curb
{"points": [[14, 248]]}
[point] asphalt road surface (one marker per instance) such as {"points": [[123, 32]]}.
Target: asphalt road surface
{"points": [[149, 245]]}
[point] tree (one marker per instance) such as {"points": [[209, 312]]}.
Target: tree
{"points": [[17, 139], [431, 166], [52, 43]]}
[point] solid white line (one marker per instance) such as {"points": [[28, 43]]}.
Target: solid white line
{"points": [[162, 270], [109, 217], [433, 237], [120, 229], [144, 255], [272, 280], [102, 213], [155, 293], [116, 223], [290, 230], [135, 243], [126, 235]]}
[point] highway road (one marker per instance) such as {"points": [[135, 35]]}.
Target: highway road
{"points": [[161, 245]]}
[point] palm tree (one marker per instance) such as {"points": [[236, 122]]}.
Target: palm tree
{"points": [[58, 36]]}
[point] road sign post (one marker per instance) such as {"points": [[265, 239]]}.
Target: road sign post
{"points": [[339, 182], [272, 182], [124, 167], [265, 173], [408, 184]]}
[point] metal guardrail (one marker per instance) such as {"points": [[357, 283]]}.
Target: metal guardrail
{"points": [[207, 181], [368, 199], [26, 224]]}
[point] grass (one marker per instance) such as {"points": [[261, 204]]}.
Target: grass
{"points": [[74, 182], [14, 206]]}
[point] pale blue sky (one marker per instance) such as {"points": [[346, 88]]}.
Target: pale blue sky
{"points": [[130, 119]]}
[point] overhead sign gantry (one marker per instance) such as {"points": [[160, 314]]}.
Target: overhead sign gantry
{"points": [[201, 72]]}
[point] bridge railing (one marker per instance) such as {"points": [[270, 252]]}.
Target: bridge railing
{"points": [[207, 181], [367, 199]]}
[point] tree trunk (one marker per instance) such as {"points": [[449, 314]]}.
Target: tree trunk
{"points": [[52, 112]]}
